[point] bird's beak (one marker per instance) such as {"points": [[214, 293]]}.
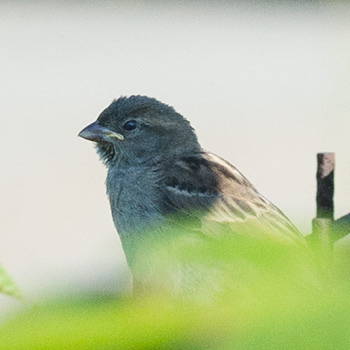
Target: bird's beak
{"points": [[96, 132]]}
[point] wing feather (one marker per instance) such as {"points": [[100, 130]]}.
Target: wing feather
{"points": [[217, 199]]}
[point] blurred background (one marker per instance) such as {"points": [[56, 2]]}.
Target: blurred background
{"points": [[266, 85]]}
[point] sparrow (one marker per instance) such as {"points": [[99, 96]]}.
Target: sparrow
{"points": [[159, 177]]}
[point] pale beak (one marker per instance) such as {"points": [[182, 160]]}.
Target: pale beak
{"points": [[95, 132]]}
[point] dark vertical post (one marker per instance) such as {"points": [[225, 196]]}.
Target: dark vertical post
{"points": [[325, 186], [323, 223]]}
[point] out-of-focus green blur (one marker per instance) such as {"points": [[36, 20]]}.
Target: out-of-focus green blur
{"points": [[7, 284], [250, 294]]}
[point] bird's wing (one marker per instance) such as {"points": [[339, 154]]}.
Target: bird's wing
{"points": [[212, 196]]}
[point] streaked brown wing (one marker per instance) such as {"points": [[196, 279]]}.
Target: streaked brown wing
{"points": [[215, 198]]}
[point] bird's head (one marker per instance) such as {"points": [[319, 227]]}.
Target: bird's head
{"points": [[139, 129]]}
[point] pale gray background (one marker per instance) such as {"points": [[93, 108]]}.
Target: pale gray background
{"points": [[265, 86]]}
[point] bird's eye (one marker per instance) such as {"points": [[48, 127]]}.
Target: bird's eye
{"points": [[130, 125]]}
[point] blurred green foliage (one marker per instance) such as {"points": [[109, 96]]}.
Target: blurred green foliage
{"points": [[7, 285], [232, 293]]}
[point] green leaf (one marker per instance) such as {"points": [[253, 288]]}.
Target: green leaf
{"points": [[7, 284]]}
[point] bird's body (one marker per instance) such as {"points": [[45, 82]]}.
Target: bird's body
{"points": [[203, 185], [160, 177]]}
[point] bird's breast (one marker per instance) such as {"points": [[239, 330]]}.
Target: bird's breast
{"points": [[133, 199]]}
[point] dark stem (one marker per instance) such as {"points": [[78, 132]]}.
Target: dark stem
{"points": [[325, 185]]}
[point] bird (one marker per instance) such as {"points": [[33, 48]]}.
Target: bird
{"points": [[159, 177]]}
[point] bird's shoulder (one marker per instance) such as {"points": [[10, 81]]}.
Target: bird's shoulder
{"points": [[204, 178]]}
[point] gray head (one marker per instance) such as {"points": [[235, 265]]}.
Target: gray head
{"points": [[138, 129]]}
